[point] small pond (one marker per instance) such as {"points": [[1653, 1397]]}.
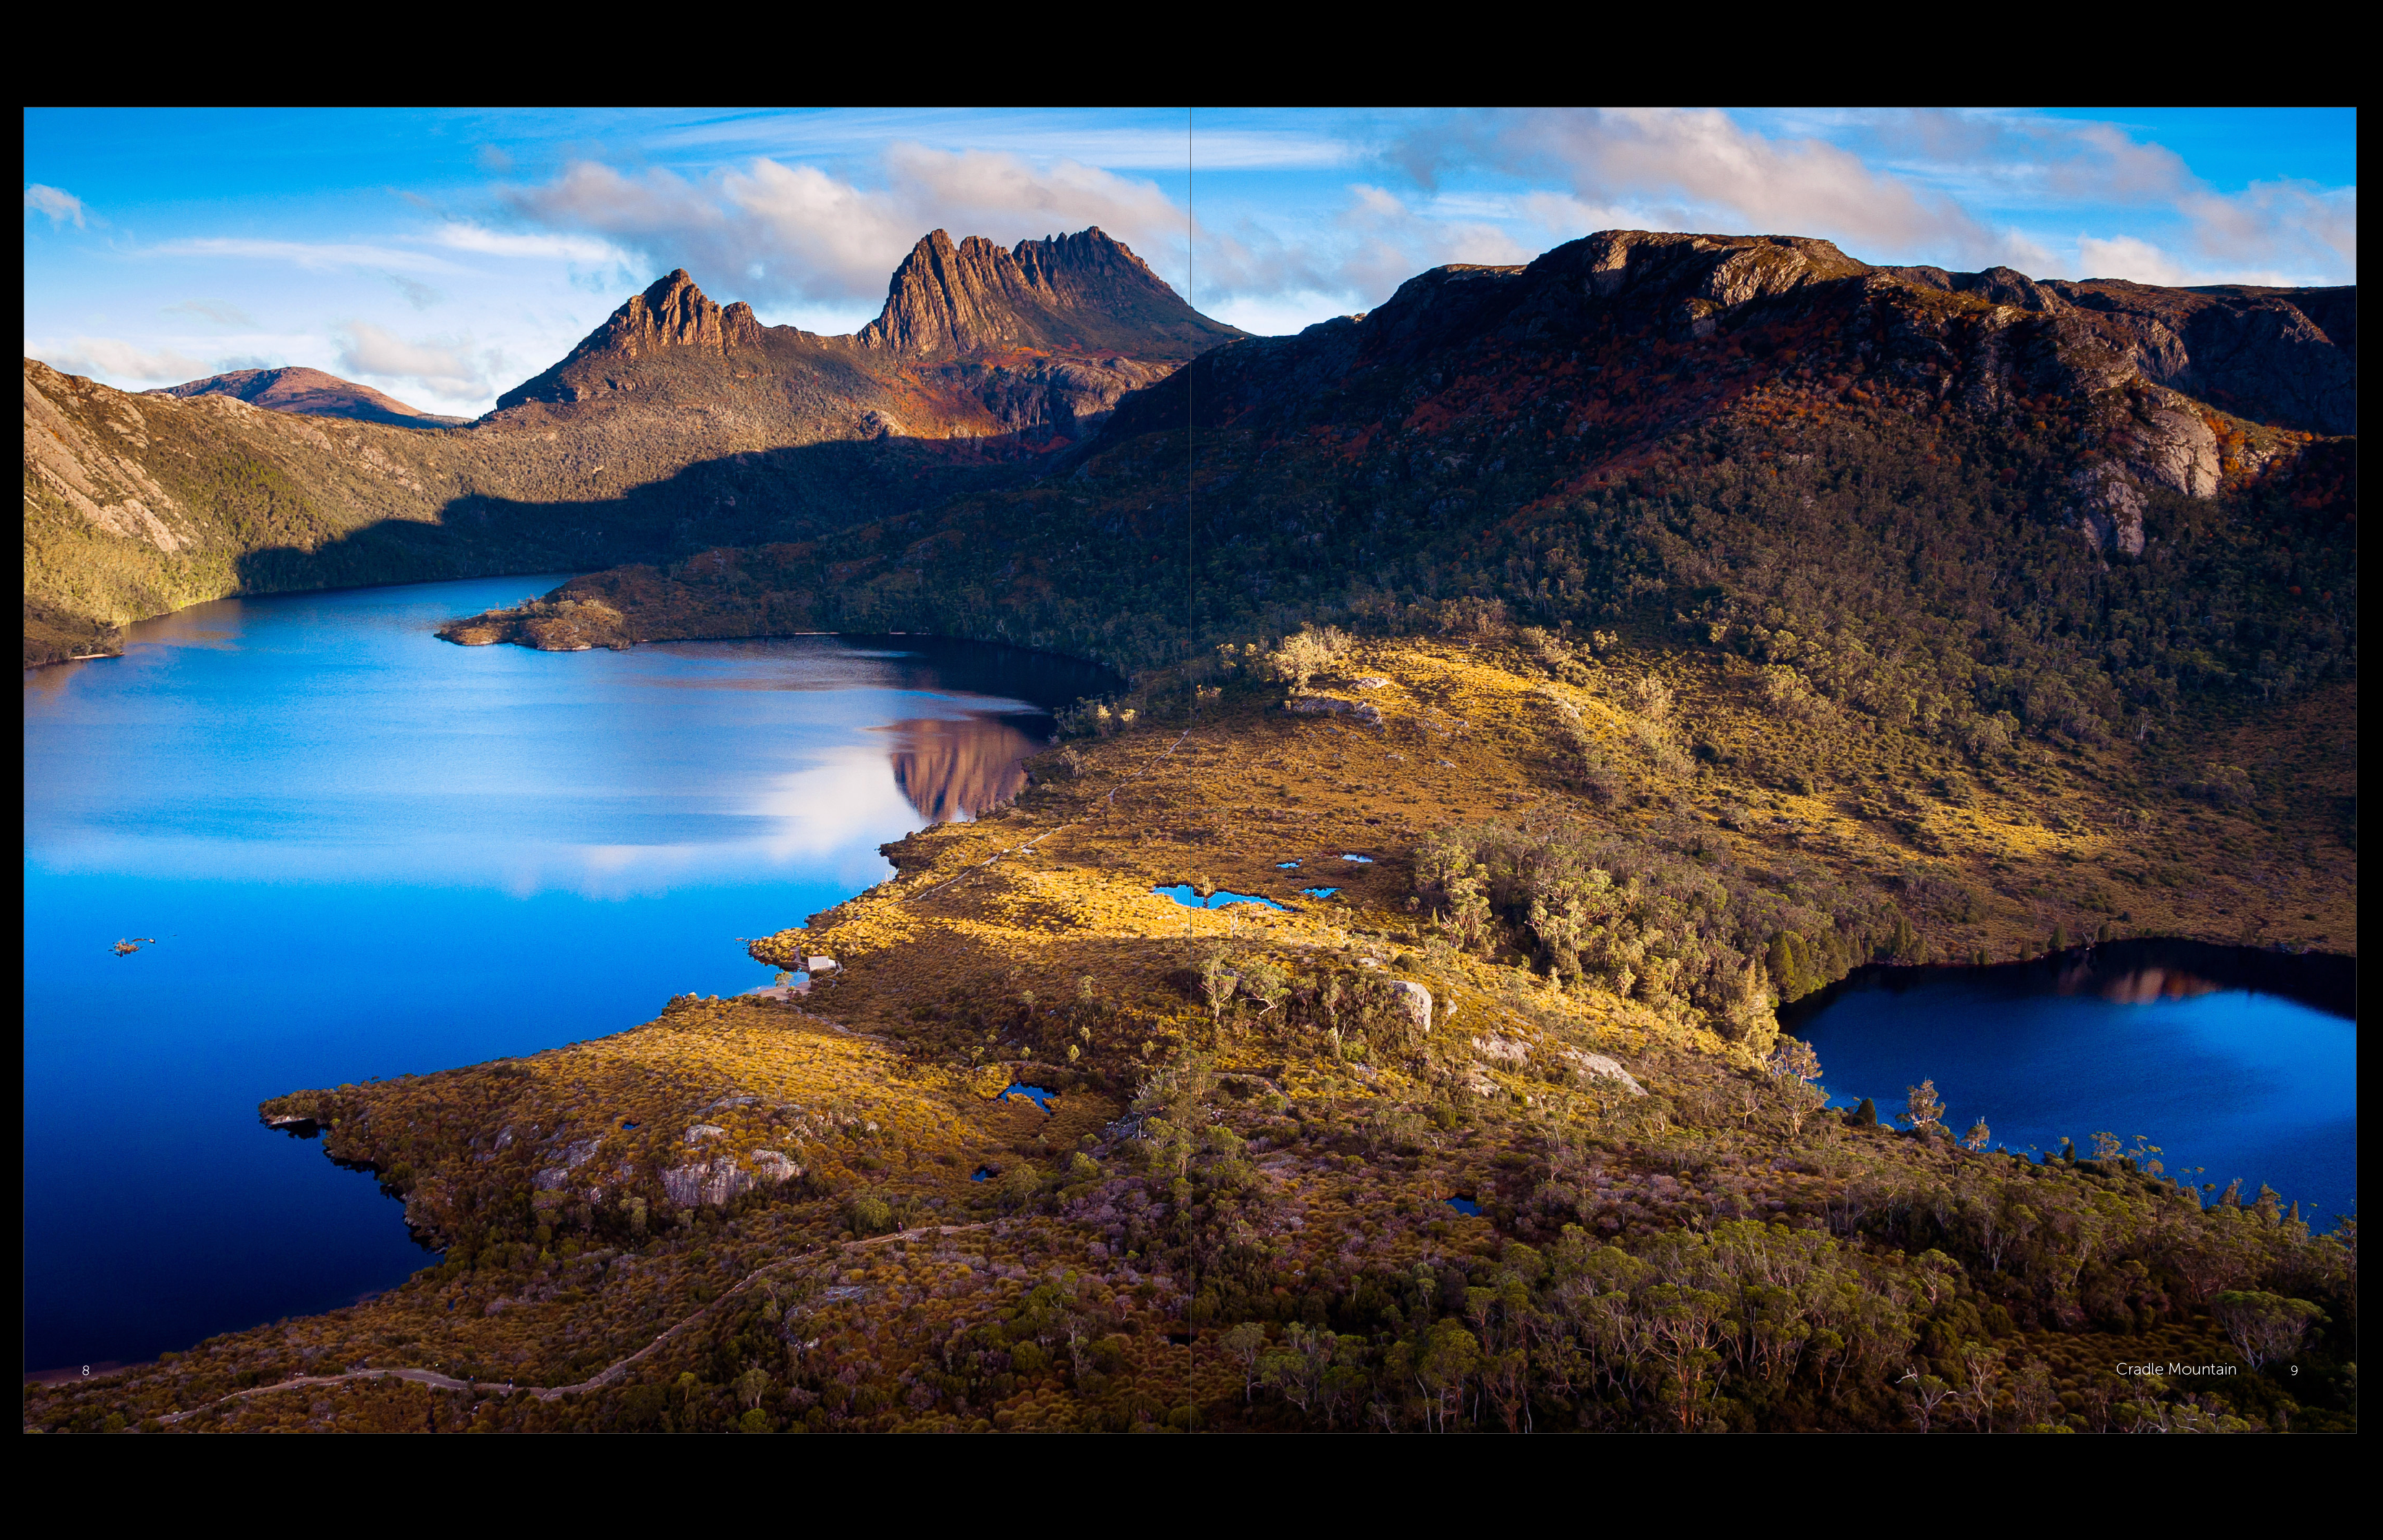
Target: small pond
{"points": [[1035, 1094], [2236, 1063], [1319, 892], [1181, 893], [1361, 860], [1465, 1206]]}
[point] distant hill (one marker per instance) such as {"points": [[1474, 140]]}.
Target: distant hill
{"points": [[677, 425], [311, 393]]}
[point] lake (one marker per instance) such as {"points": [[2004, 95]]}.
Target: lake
{"points": [[2236, 1063], [361, 852]]}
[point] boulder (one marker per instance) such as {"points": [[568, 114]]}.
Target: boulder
{"points": [[1327, 706], [1414, 1000], [1597, 1067], [714, 1181], [572, 1157]]}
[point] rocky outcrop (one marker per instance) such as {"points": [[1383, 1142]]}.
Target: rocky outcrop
{"points": [[673, 313], [553, 1178], [1328, 706], [722, 1177], [714, 1181], [1081, 293], [1596, 1066], [1414, 1001], [311, 393]]}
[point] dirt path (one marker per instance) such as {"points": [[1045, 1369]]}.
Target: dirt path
{"points": [[605, 1376]]}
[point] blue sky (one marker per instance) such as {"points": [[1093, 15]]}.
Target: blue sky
{"points": [[444, 256]]}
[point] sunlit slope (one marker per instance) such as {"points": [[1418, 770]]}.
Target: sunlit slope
{"points": [[815, 1215]]}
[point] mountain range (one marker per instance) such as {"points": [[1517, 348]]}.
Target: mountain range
{"points": [[677, 425], [1624, 645]]}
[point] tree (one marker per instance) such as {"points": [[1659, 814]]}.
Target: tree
{"points": [[1243, 1344], [1866, 1114], [1978, 1135], [1977, 1399], [1216, 983], [2265, 1325], [1018, 1185], [1303, 656], [1922, 1110], [1927, 1393]]}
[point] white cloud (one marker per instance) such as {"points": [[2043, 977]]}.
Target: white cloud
{"points": [[568, 248], [791, 234], [421, 296], [221, 312], [2139, 261], [107, 359], [60, 206], [2286, 220], [318, 256], [1394, 242], [1724, 172], [447, 370], [1281, 315]]}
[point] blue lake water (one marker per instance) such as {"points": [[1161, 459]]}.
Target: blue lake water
{"points": [[2204, 1051], [365, 852], [1181, 893]]}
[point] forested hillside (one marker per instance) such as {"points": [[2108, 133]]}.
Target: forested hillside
{"points": [[1963, 501]]}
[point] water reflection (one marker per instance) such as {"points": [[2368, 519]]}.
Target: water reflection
{"points": [[2135, 986], [952, 768]]}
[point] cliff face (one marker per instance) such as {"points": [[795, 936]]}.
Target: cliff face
{"points": [[311, 393], [671, 313], [1081, 293]]}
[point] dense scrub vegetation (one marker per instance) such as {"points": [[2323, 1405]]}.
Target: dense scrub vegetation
{"points": [[1354, 1163]]}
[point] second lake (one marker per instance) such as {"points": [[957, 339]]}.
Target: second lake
{"points": [[2239, 1064]]}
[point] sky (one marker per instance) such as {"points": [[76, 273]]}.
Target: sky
{"points": [[446, 256]]}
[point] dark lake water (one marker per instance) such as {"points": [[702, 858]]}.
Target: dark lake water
{"points": [[2239, 1063], [364, 852]]}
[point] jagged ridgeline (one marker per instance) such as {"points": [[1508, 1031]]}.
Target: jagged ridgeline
{"points": [[1975, 502], [677, 426]]}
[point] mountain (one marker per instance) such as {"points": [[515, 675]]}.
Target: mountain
{"points": [[311, 393], [676, 425], [1081, 293], [2003, 488]]}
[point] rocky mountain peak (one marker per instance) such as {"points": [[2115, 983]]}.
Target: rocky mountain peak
{"points": [[1084, 292], [671, 312]]}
